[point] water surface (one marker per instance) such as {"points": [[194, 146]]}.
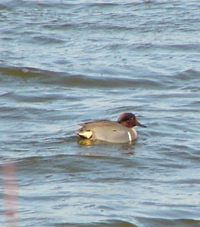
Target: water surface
{"points": [[66, 62]]}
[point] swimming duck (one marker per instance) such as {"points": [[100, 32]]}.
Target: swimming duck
{"points": [[120, 131]]}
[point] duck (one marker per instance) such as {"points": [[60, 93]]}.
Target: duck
{"points": [[120, 131]]}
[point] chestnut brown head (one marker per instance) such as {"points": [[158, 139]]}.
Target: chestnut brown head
{"points": [[129, 120]]}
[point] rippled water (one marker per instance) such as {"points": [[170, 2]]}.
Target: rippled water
{"points": [[66, 62]]}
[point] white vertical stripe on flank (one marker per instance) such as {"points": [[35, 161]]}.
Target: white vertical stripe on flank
{"points": [[129, 136]]}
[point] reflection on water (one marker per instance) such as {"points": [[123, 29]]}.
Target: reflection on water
{"points": [[85, 142], [108, 148]]}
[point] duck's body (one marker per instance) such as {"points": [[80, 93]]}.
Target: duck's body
{"points": [[120, 131]]}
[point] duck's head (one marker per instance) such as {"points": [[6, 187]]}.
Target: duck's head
{"points": [[129, 120]]}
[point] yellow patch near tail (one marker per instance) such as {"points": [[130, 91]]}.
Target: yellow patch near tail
{"points": [[85, 134]]}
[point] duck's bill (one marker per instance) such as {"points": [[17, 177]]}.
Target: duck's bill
{"points": [[140, 125]]}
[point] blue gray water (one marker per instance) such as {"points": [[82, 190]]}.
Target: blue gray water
{"points": [[66, 62]]}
